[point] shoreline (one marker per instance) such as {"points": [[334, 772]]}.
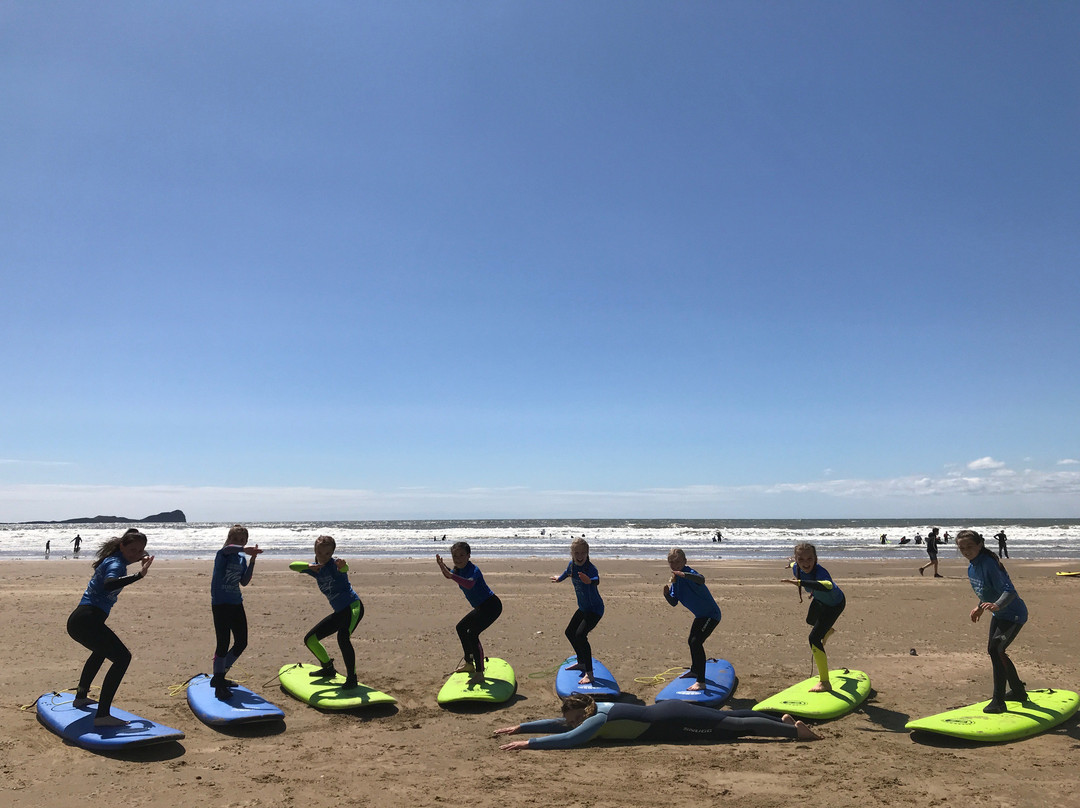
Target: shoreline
{"points": [[422, 755]]}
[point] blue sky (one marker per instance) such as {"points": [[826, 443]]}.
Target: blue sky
{"points": [[482, 259]]}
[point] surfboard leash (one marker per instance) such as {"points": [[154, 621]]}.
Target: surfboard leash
{"points": [[660, 678]]}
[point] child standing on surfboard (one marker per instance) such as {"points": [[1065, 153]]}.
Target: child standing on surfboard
{"points": [[86, 625], [331, 574], [486, 606], [827, 602], [231, 571], [687, 586], [586, 580], [996, 595]]}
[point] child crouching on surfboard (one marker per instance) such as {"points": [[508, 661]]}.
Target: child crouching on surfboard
{"points": [[826, 604], [486, 606], [586, 580], [86, 625], [231, 571], [332, 576], [687, 586], [1008, 613]]}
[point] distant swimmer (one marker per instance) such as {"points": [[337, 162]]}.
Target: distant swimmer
{"points": [[883, 539], [718, 537], [77, 541], [905, 540]]}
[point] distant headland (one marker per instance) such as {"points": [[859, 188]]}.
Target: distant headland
{"points": [[166, 516]]}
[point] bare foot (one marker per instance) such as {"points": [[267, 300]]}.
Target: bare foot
{"points": [[586, 680], [696, 686], [575, 667], [109, 721], [82, 701], [805, 733], [787, 718], [821, 687], [465, 668]]}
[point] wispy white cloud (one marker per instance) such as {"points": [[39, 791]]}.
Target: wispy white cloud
{"points": [[1068, 461], [984, 463]]}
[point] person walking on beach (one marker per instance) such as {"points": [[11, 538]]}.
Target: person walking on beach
{"points": [[77, 541], [687, 586], [997, 595], [590, 606], [486, 607], [331, 574], [1003, 550], [47, 547], [583, 718], [827, 602], [86, 625], [231, 571], [932, 542]]}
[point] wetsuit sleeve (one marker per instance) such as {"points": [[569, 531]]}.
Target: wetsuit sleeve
{"points": [[301, 566], [821, 586], [467, 583], [249, 570], [581, 734], [565, 573], [594, 575], [1002, 581], [112, 584], [544, 725], [1005, 599], [669, 595], [694, 577]]}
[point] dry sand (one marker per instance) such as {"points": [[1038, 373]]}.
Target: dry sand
{"points": [[421, 755]]}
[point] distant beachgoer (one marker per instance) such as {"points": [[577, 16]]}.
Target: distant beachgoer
{"points": [[905, 540], [486, 607], [719, 536], [997, 595], [931, 550], [1002, 549], [86, 625], [47, 551], [687, 586], [883, 539], [590, 606], [827, 603], [77, 541]]}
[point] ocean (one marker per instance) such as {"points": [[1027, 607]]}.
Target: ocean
{"points": [[550, 538]]}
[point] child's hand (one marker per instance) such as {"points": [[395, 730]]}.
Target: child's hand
{"points": [[442, 566], [252, 551], [976, 613], [677, 574], [585, 579], [146, 561], [554, 579], [508, 730], [342, 565], [514, 745]]}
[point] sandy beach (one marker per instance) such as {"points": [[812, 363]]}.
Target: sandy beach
{"points": [[421, 755]]}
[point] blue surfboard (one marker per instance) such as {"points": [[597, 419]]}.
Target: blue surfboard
{"points": [[720, 683], [242, 707], [603, 688], [57, 712]]}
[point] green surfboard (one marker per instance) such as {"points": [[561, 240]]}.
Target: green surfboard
{"points": [[498, 685], [328, 693], [1042, 710], [850, 689]]}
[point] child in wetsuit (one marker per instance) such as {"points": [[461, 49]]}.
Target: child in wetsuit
{"points": [[586, 580], [86, 625], [996, 595], [826, 604], [332, 576], [486, 606], [687, 586], [231, 571]]}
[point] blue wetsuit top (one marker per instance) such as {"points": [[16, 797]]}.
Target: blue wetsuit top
{"points": [[334, 583], [993, 585], [471, 581], [106, 582], [588, 594], [819, 584], [231, 571], [692, 593]]}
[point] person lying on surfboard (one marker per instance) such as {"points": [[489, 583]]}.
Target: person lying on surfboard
{"points": [[827, 601], [687, 586], [1008, 613], [583, 719], [86, 625], [586, 581], [486, 606]]}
